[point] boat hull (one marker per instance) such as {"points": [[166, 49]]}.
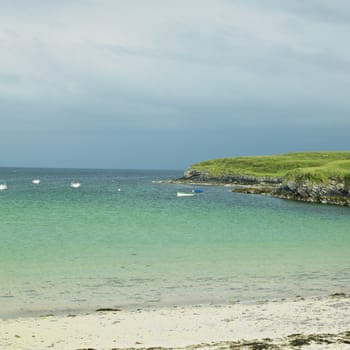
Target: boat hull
{"points": [[183, 194], [75, 185]]}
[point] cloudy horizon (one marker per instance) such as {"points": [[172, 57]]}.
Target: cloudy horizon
{"points": [[163, 84]]}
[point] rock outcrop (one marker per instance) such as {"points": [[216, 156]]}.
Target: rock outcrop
{"points": [[195, 176], [335, 191]]}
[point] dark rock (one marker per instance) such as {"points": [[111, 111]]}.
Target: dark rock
{"points": [[259, 346], [299, 342], [338, 295], [332, 193], [107, 309], [195, 176]]}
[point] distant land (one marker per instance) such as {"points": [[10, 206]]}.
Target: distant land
{"points": [[318, 177]]}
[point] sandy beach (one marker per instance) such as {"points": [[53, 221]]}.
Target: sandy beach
{"points": [[317, 323]]}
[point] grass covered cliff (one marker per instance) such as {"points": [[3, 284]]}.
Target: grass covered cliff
{"points": [[308, 176]]}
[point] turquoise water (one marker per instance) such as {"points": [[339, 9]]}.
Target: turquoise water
{"points": [[79, 249]]}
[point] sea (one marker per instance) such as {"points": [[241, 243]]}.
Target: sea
{"points": [[123, 240]]}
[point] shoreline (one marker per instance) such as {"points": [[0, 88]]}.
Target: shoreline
{"points": [[313, 323], [307, 193], [316, 177]]}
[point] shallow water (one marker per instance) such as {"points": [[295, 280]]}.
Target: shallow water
{"points": [[79, 249]]}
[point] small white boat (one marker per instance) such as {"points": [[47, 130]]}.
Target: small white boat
{"points": [[74, 184], [3, 186], [185, 194], [36, 181]]}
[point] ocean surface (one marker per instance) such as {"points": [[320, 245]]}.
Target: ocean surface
{"points": [[71, 250]]}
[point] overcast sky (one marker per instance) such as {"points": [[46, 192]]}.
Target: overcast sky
{"points": [[162, 84]]}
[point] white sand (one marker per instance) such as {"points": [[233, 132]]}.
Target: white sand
{"points": [[179, 326]]}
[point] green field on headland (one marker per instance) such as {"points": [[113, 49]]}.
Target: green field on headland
{"points": [[317, 167], [320, 177]]}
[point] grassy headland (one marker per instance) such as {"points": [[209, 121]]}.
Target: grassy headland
{"points": [[317, 166], [309, 176]]}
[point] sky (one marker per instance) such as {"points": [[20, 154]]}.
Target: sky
{"points": [[162, 84]]}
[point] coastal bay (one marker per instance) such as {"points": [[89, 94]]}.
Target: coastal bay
{"points": [[216, 270], [147, 199]]}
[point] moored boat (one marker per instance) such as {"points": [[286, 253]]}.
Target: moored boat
{"points": [[75, 184], [36, 181], [184, 194], [3, 186]]}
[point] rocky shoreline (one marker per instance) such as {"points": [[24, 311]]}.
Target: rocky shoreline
{"points": [[335, 192]]}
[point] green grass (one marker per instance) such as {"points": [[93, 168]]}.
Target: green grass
{"points": [[313, 166]]}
